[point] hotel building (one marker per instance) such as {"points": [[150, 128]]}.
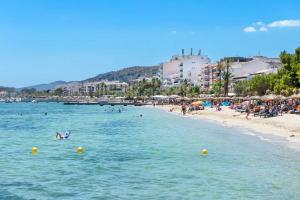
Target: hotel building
{"points": [[184, 67]]}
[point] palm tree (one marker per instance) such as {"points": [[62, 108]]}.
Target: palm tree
{"points": [[183, 88], [102, 84], [220, 69], [130, 91], [105, 89], [155, 84], [227, 75]]}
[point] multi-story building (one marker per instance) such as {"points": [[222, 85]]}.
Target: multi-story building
{"points": [[87, 88], [241, 69], [257, 65], [105, 86], [208, 76], [136, 81], [184, 67]]}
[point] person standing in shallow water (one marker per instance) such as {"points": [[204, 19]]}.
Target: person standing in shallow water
{"points": [[247, 112], [183, 109]]}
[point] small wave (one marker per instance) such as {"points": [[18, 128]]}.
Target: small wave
{"points": [[263, 138], [248, 133]]}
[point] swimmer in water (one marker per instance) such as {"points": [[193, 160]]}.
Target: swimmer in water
{"points": [[46, 113], [59, 136], [141, 115], [67, 134]]}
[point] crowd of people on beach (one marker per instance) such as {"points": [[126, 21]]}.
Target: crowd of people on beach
{"points": [[257, 107], [270, 108]]}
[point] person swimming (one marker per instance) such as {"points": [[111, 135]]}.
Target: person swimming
{"points": [[60, 136], [67, 134]]}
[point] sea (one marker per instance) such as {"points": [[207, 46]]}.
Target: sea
{"points": [[137, 153]]}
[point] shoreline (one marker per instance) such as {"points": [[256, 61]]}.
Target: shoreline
{"points": [[281, 126]]}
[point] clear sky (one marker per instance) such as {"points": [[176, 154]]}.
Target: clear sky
{"points": [[47, 40]]}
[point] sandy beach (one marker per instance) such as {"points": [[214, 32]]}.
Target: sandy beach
{"points": [[283, 126]]}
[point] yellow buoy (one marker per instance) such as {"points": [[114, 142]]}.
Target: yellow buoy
{"points": [[80, 150], [34, 150], [204, 152]]}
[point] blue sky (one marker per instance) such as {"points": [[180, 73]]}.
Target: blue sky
{"points": [[49, 40]]}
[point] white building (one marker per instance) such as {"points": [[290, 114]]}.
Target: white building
{"points": [[258, 65], [3, 94], [136, 81], [86, 88], [183, 67]]}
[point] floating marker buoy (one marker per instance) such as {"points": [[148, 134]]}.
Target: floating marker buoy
{"points": [[204, 152], [80, 150], [34, 150]]}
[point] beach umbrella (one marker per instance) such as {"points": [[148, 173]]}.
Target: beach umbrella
{"points": [[159, 97], [268, 97], [280, 97], [197, 103], [224, 98], [255, 97], [203, 98], [184, 98], [295, 96], [231, 94], [174, 96]]}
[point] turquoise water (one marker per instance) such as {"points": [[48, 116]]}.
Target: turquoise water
{"points": [[157, 156]]}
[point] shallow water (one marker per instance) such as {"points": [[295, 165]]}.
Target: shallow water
{"points": [[157, 156]]}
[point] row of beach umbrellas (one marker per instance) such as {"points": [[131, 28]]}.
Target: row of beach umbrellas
{"points": [[263, 98]]}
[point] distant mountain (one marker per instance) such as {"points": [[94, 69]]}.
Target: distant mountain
{"points": [[127, 74], [49, 86], [122, 75]]}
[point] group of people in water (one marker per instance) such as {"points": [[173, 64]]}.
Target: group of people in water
{"points": [[112, 110], [21, 114]]}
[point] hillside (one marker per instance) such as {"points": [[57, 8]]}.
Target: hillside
{"points": [[126, 74], [123, 75], [41, 87]]}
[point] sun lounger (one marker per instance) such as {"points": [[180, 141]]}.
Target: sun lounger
{"points": [[295, 112], [273, 113], [263, 113], [241, 110]]}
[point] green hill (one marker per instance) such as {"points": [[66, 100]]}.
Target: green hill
{"points": [[127, 74]]}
